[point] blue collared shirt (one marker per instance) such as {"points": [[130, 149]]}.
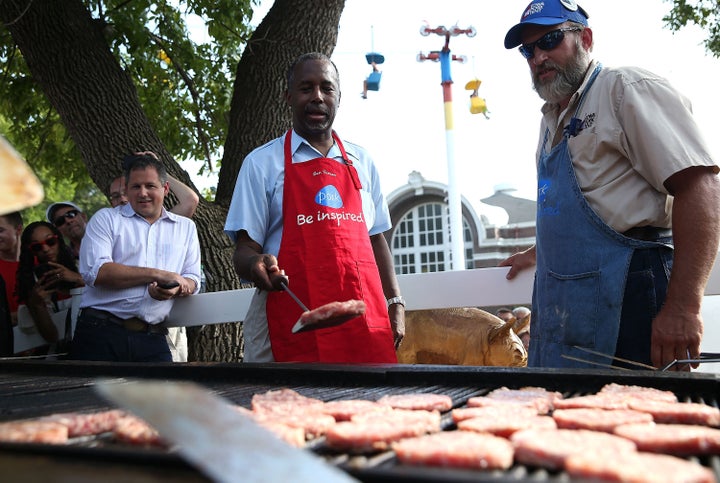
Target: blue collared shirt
{"points": [[121, 236]]}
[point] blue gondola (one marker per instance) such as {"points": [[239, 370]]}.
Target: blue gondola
{"points": [[374, 57], [372, 83]]}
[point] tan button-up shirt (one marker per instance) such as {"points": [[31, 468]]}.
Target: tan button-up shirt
{"points": [[637, 132]]}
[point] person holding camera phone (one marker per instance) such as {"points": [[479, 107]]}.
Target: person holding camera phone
{"points": [[135, 260], [46, 273]]}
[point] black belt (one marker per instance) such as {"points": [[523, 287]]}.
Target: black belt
{"points": [[132, 324], [648, 233]]}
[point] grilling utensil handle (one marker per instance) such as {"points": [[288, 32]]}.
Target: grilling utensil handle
{"points": [[294, 297], [704, 357]]}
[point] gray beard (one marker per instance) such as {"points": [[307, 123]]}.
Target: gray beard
{"points": [[567, 79]]}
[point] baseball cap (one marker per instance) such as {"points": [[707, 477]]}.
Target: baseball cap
{"points": [[50, 213], [546, 12]]}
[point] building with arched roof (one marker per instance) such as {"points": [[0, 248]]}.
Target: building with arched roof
{"points": [[420, 235]]}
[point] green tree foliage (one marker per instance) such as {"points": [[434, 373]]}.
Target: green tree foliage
{"points": [[703, 13], [184, 85], [103, 68]]}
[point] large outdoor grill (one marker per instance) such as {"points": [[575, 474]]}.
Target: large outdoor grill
{"points": [[30, 389]]}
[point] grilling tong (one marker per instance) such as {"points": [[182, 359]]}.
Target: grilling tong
{"points": [[704, 357]]}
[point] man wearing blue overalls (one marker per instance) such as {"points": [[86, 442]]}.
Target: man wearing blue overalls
{"points": [[627, 193]]}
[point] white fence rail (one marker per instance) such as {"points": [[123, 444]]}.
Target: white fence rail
{"points": [[468, 288]]}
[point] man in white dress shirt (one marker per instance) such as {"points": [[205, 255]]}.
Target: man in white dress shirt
{"points": [[135, 259]]}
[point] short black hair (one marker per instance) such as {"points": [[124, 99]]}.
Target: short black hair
{"points": [[307, 57], [15, 218], [143, 160]]}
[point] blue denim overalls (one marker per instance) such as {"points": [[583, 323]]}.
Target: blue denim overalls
{"points": [[582, 265]]}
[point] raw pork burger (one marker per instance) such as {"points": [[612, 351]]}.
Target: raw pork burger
{"points": [[345, 409], [284, 401], [457, 449], [642, 392], [499, 413], [314, 423], [536, 397], [292, 436], [598, 419], [133, 430], [376, 431], [289, 408], [596, 401], [681, 413], [45, 432], [549, 448], [507, 427], [87, 424], [341, 311], [679, 439], [426, 401], [637, 468]]}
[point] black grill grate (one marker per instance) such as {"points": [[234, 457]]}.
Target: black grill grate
{"points": [[32, 389]]}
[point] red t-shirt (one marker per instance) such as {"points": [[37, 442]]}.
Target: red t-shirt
{"points": [[8, 271]]}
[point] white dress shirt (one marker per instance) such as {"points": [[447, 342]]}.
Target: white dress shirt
{"points": [[121, 236]]}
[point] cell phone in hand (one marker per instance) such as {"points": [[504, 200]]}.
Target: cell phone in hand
{"points": [[42, 269], [168, 285]]}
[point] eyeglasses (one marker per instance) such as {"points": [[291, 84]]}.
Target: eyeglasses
{"points": [[547, 42], [37, 247], [60, 220]]}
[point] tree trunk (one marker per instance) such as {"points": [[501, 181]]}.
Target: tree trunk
{"points": [[70, 61]]}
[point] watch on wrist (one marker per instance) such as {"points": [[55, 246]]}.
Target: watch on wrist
{"points": [[396, 300]]}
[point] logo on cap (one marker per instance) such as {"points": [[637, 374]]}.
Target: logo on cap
{"points": [[533, 8], [569, 4]]}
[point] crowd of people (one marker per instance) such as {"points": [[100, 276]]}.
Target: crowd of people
{"points": [[40, 264], [627, 226]]}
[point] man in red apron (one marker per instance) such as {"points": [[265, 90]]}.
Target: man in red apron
{"points": [[308, 208]]}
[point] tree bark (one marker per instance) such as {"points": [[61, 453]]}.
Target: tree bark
{"points": [[258, 112], [71, 62]]}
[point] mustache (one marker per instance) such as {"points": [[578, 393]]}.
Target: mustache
{"points": [[316, 110], [545, 67]]}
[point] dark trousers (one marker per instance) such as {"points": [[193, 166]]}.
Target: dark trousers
{"points": [[645, 293], [98, 339]]}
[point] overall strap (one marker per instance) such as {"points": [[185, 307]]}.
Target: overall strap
{"points": [[575, 125]]}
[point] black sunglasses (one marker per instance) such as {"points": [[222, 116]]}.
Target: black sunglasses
{"points": [[49, 241], [60, 220], [547, 42]]}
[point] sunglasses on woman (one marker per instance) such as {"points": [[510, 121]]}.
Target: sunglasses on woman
{"points": [[547, 42], [60, 220], [37, 247]]}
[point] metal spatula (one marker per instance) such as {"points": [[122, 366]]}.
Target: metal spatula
{"points": [[211, 434]]}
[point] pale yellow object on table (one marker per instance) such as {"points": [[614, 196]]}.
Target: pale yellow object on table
{"points": [[19, 187]]}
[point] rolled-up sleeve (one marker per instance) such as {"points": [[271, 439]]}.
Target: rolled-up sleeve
{"points": [[96, 246], [191, 265]]}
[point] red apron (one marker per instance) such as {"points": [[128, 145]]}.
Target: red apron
{"points": [[326, 253]]}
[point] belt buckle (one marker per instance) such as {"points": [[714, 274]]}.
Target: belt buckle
{"points": [[136, 325]]}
